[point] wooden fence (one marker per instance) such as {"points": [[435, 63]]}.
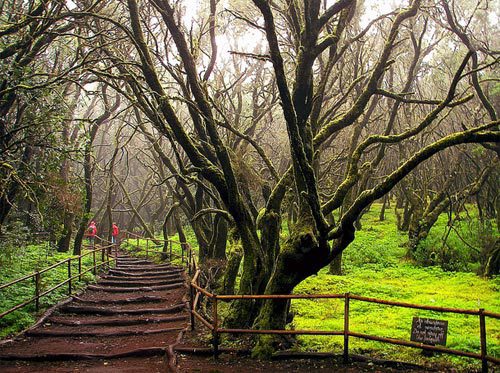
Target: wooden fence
{"points": [[186, 256], [188, 259], [214, 325], [196, 292], [105, 262]]}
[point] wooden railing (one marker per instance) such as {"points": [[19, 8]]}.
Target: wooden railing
{"points": [[188, 259], [216, 329], [187, 256], [106, 259]]}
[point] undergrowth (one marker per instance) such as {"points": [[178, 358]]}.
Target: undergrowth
{"points": [[27, 260]]}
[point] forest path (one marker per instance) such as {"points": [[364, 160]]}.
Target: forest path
{"points": [[129, 321]]}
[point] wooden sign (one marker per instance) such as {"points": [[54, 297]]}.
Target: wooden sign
{"points": [[429, 331]]}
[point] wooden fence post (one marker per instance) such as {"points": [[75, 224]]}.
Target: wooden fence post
{"points": [[69, 276], [346, 328], [482, 329], [93, 257], [79, 268], [191, 302], [37, 290], [170, 250], [215, 334]]}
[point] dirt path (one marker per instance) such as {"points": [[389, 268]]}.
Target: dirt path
{"points": [[128, 322]]}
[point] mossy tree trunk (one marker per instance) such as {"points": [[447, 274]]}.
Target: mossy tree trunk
{"points": [[336, 266], [381, 216]]}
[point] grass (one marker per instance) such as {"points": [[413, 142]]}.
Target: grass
{"points": [[27, 260], [375, 266]]}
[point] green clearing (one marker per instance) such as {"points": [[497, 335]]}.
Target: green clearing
{"points": [[375, 265]]}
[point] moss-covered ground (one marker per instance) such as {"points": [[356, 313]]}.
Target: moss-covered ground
{"points": [[27, 260], [375, 265]]}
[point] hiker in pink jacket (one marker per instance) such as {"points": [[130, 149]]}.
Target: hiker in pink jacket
{"points": [[114, 234], [91, 233]]}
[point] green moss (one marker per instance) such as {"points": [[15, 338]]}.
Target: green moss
{"points": [[26, 260], [375, 266], [265, 347]]}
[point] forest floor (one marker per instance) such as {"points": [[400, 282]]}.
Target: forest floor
{"points": [[132, 320], [240, 360]]}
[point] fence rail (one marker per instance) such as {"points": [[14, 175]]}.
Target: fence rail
{"points": [[187, 256], [36, 276], [197, 291], [188, 259]]}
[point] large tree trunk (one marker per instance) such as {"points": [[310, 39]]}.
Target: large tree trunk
{"points": [[87, 170], [219, 239], [381, 216], [336, 266], [7, 200], [253, 279], [303, 256], [232, 267], [65, 239]]}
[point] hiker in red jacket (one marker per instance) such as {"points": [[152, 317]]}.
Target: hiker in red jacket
{"points": [[92, 232], [114, 234]]}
